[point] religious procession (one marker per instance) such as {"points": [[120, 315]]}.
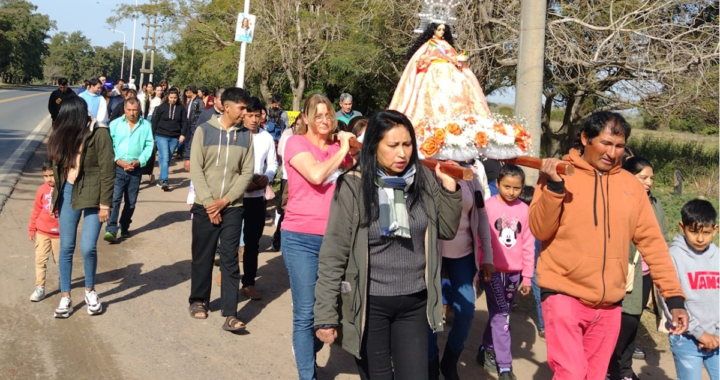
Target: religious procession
{"points": [[392, 227]]}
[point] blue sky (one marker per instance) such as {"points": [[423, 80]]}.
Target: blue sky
{"points": [[88, 16]]}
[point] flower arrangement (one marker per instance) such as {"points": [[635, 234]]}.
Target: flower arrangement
{"points": [[466, 137]]}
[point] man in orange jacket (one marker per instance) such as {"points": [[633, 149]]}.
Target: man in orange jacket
{"points": [[586, 223]]}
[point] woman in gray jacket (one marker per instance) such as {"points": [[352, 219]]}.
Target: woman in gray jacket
{"points": [[379, 268]]}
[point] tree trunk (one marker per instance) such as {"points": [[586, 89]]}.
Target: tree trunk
{"points": [[298, 93]]}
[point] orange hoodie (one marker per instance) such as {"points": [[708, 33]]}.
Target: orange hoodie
{"points": [[586, 231]]}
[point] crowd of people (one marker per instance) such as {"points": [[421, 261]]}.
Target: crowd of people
{"points": [[380, 251]]}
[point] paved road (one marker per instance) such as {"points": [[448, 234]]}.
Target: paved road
{"points": [[24, 122]]}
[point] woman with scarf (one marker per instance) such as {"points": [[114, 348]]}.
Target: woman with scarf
{"points": [[312, 159], [379, 269]]}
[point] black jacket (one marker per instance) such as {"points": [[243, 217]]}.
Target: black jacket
{"points": [[196, 107], [169, 122], [56, 97], [204, 117], [118, 111]]}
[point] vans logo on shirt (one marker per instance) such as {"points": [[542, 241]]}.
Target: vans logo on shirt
{"points": [[704, 280]]}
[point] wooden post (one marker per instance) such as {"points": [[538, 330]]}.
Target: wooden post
{"points": [[678, 182]]}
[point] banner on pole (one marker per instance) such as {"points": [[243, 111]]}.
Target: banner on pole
{"points": [[245, 27]]}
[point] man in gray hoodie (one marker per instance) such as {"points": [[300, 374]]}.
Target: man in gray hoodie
{"points": [[221, 168], [696, 259]]}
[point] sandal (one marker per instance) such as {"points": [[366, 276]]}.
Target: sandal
{"points": [[233, 324], [198, 310]]}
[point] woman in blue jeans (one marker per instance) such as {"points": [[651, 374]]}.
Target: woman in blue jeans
{"points": [[313, 159], [169, 126], [460, 260], [81, 151]]}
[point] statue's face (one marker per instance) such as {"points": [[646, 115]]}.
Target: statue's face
{"points": [[440, 31]]}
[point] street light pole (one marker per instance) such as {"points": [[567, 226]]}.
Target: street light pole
{"points": [[132, 53], [122, 62]]}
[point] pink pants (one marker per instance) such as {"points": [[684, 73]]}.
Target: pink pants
{"points": [[580, 340]]}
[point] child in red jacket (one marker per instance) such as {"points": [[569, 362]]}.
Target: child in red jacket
{"points": [[44, 231]]}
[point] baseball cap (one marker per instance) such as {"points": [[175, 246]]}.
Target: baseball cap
{"points": [[125, 86]]}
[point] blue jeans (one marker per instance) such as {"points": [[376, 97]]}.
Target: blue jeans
{"points": [[536, 290], [300, 254], [461, 273], [166, 146], [689, 360], [127, 185], [68, 222]]}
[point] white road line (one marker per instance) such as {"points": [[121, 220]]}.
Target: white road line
{"points": [[5, 169]]}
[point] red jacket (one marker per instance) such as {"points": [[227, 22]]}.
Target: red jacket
{"points": [[42, 220]]}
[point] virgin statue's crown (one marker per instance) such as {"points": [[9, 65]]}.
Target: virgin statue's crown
{"points": [[437, 11]]}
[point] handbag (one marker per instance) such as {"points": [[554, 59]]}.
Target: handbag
{"points": [[629, 281]]}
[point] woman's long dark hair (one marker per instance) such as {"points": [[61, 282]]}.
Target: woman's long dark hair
{"points": [[378, 126], [636, 164], [275, 115], [427, 35], [69, 132]]}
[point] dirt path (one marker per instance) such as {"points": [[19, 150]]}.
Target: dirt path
{"points": [[146, 332]]}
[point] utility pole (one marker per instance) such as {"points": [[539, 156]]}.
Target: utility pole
{"points": [[149, 46], [530, 70]]}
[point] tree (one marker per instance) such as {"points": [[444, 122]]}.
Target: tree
{"points": [[22, 40]]}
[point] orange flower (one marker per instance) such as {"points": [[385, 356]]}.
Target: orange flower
{"points": [[419, 131], [500, 128], [439, 136], [430, 147], [470, 120], [519, 130], [481, 139], [454, 129], [523, 143]]}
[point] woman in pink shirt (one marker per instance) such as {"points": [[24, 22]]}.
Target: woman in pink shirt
{"points": [[313, 162]]}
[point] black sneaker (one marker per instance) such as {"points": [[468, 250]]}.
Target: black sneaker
{"points": [[165, 186], [275, 243], [486, 358], [638, 354]]}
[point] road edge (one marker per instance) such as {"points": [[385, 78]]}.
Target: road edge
{"points": [[19, 160]]}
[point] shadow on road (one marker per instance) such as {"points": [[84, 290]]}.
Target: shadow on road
{"points": [[131, 277], [162, 220]]}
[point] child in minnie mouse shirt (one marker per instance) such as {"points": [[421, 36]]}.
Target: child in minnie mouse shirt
{"points": [[513, 255]]}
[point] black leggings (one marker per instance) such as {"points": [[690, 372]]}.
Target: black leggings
{"points": [[621, 360], [395, 343]]}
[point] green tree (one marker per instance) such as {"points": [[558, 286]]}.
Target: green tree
{"points": [[22, 40]]}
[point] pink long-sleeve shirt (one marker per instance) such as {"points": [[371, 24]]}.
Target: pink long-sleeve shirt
{"points": [[512, 242]]}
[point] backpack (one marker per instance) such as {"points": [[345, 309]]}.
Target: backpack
{"points": [[275, 129]]}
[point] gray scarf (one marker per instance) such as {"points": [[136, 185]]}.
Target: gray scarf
{"points": [[394, 220]]}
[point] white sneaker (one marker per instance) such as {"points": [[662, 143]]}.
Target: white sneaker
{"points": [[93, 302], [65, 308], [38, 294]]}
